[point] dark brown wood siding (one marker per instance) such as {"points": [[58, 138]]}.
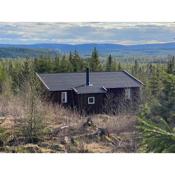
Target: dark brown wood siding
{"points": [[55, 97], [113, 101], [83, 105]]}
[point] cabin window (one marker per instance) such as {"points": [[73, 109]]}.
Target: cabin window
{"points": [[128, 93], [91, 100], [63, 97]]}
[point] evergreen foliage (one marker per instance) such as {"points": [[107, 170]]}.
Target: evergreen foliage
{"points": [[156, 137], [156, 121], [171, 66], [32, 126], [94, 61], [109, 63]]}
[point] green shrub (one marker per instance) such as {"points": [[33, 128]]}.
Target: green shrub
{"points": [[156, 137]]}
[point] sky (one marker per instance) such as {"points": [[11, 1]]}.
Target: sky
{"points": [[78, 33]]}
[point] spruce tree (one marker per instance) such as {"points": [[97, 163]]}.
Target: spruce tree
{"points": [[171, 66], [32, 125], [157, 122], [57, 64], [109, 63], [156, 137], [149, 70], [94, 60], [65, 65], [166, 108], [76, 61], [136, 68], [155, 83], [70, 56], [114, 65], [119, 67]]}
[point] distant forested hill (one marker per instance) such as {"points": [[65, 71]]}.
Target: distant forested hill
{"points": [[34, 50], [15, 52]]}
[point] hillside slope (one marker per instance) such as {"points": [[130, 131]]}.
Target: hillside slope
{"points": [[33, 50]]}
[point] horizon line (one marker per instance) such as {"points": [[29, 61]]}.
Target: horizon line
{"points": [[73, 44]]}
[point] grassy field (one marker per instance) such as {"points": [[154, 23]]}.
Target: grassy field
{"points": [[64, 130]]}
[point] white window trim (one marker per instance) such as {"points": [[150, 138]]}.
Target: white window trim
{"points": [[89, 101], [128, 93], [63, 97]]}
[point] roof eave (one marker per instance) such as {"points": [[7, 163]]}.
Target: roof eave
{"points": [[42, 81], [131, 76]]}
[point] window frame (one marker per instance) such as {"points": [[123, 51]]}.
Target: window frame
{"points": [[64, 96], [91, 103]]}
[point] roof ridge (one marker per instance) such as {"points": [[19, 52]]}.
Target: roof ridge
{"points": [[79, 72]]}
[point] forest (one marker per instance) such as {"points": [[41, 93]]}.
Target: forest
{"points": [[30, 124]]}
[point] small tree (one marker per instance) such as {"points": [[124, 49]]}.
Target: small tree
{"points": [[32, 127]]}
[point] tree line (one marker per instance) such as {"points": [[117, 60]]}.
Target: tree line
{"points": [[156, 120]]}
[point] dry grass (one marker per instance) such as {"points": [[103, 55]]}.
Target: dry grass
{"points": [[116, 124], [98, 148], [66, 128]]}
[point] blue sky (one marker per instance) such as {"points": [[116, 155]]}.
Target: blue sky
{"points": [[77, 33]]}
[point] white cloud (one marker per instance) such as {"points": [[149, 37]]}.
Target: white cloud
{"points": [[121, 33]]}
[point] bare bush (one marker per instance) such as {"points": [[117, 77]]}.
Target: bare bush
{"points": [[116, 105]]}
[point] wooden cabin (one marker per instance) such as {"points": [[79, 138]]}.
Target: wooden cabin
{"points": [[93, 92]]}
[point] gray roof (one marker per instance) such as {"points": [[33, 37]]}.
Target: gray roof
{"points": [[99, 80], [89, 89]]}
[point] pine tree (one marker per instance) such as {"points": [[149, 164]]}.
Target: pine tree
{"points": [[136, 68], [5, 81], [75, 61], [26, 70], [57, 64], [114, 65], [157, 122], [171, 66], [119, 67], [94, 61], [70, 57], [65, 65], [41, 64], [166, 108], [155, 83], [109, 63], [156, 137], [149, 70], [32, 125], [3, 74]]}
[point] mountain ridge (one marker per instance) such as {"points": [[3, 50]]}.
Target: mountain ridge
{"points": [[104, 49]]}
